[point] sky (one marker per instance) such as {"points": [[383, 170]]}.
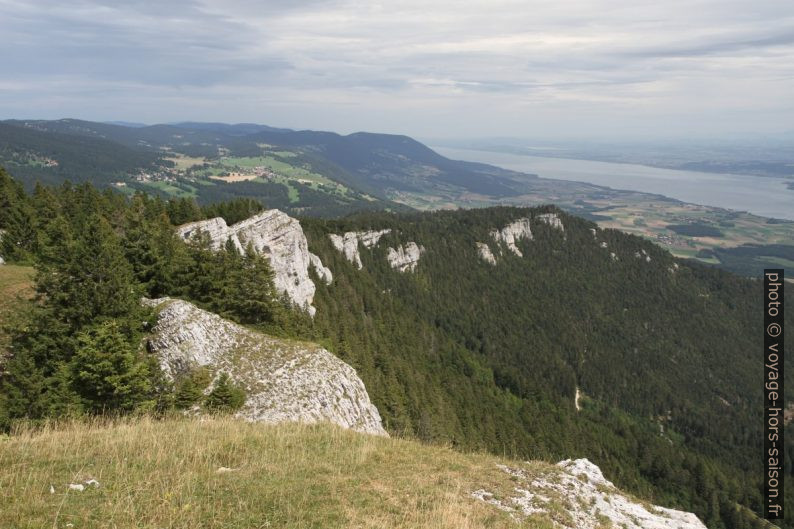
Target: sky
{"points": [[597, 69]]}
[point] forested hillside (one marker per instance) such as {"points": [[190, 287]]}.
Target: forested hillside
{"points": [[480, 355], [491, 355]]}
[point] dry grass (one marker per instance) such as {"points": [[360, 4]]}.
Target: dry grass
{"points": [[163, 474], [235, 177]]}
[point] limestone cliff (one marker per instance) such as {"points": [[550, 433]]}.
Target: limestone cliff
{"points": [[348, 243], [553, 220], [285, 380], [582, 498], [281, 239], [405, 257], [512, 233], [485, 253]]}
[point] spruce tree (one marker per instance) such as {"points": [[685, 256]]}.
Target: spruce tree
{"points": [[225, 396], [108, 373]]}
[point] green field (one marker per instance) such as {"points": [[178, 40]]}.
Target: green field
{"points": [[786, 263], [171, 189], [285, 172]]}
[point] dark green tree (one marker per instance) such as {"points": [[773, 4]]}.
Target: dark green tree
{"points": [[109, 374], [225, 396]]}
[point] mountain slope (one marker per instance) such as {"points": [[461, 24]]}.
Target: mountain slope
{"points": [[397, 163], [493, 355], [53, 157], [225, 473]]}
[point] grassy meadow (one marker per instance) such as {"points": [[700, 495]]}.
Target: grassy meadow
{"points": [[213, 473]]}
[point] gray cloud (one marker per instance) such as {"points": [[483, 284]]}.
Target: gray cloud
{"points": [[488, 67]]}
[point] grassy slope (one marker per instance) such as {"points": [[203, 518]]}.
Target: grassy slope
{"points": [[164, 474]]}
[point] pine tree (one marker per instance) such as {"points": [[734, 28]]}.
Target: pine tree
{"points": [[190, 389], [252, 294], [225, 396], [18, 236], [108, 373]]}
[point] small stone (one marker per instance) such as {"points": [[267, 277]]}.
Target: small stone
{"points": [[76, 486]]}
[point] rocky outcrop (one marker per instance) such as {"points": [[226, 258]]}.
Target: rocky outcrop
{"points": [[348, 243], [323, 271], [405, 257], [485, 253], [284, 380], [553, 220], [512, 233], [579, 497], [279, 237]]}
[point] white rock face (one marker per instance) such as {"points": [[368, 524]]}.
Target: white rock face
{"points": [[512, 233], [348, 243], [323, 271], [552, 220], [580, 489], [485, 253], [405, 258], [285, 380], [277, 236]]}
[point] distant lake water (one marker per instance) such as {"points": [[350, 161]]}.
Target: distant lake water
{"points": [[767, 197]]}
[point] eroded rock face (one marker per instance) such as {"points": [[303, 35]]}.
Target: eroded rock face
{"points": [[580, 489], [485, 253], [348, 243], [284, 380], [279, 237], [405, 257], [323, 271], [512, 233], [553, 220]]}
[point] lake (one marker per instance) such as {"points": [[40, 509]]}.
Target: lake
{"points": [[767, 197]]}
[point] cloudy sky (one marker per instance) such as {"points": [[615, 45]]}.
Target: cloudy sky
{"points": [[441, 68]]}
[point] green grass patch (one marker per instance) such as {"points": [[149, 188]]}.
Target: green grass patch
{"points": [[171, 189], [780, 261]]}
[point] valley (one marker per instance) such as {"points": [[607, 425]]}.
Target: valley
{"points": [[312, 173]]}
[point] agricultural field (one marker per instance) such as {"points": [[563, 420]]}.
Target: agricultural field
{"points": [[281, 167], [172, 190], [183, 162]]}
